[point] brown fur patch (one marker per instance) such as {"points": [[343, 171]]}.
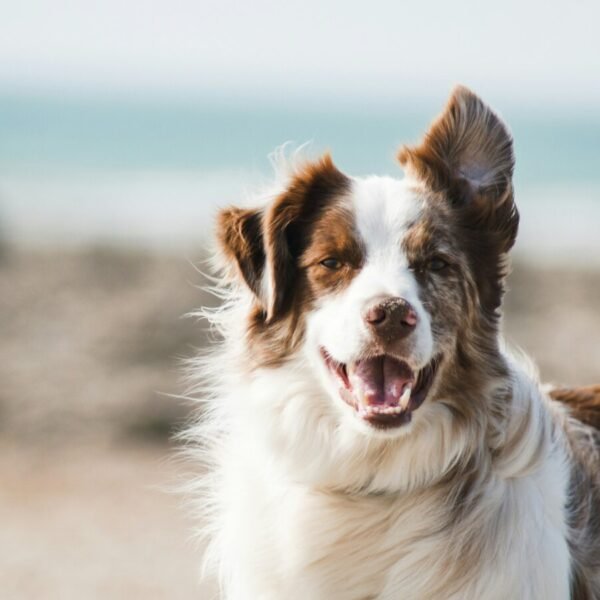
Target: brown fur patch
{"points": [[288, 222], [334, 236], [582, 428], [583, 403], [449, 295], [466, 161], [255, 239], [239, 234], [583, 509], [304, 225], [467, 150]]}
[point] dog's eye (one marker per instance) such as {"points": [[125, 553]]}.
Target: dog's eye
{"points": [[332, 263], [437, 264]]}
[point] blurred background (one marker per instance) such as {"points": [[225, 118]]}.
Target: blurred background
{"points": [[125, 124]]}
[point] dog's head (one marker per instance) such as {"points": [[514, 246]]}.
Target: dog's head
{"points": [[388, 289]]}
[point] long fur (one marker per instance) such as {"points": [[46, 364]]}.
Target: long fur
{"points": [[358, 520], [484, 496]]}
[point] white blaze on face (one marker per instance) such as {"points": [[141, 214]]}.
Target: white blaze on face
{"points": [[384, 209]]}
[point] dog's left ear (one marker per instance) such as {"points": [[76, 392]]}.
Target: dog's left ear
{"points": [[467, 154]]}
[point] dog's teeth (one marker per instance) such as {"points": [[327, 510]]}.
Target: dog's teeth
{"points": [[405, 398], [368, 411]]}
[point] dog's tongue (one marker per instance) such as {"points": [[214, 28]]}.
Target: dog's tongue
{"points": [[379, 380]]}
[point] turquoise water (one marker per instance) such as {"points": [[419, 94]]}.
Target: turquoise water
{"points": [[152, 172], [54, 133]]}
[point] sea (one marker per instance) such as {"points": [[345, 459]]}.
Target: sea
{"points": [[151, 172]]}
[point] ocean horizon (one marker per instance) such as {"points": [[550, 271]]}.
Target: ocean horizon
{"points": [[152, 174]]}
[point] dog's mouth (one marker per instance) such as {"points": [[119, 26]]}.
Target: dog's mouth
{"points": [[383, 390]]}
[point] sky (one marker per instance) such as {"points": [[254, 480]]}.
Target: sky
{"points": [[536, 55], [536, 52]]}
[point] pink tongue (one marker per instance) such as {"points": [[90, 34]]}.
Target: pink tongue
{"points": [[380, 380]]}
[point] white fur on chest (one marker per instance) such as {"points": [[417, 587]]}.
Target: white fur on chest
{"points": [[278, 535], [286, 540]]}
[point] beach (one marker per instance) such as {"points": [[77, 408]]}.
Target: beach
{"points": [[124, 128], [91, 354]]}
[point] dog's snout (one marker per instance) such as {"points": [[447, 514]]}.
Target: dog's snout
{"points": [[375, 314], [391, 317]]}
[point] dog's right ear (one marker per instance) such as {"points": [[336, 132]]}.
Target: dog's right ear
{"points": [[240, 237], [264, 244]]}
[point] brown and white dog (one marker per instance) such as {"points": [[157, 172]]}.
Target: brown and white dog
{"points": [[367, 434]]}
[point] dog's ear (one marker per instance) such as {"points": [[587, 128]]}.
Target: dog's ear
{"points": [[240, 237], [468, 155], [265, 244]]}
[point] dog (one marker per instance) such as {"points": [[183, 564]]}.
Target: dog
{"points": [[365, 432]]}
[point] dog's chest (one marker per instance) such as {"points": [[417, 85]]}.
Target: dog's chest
{"points": [[294, 542], [310, 544]]}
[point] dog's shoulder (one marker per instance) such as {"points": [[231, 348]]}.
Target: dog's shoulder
{"points": [[583, 403]]}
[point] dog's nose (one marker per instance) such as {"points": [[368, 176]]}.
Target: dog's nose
{"points": [[391, 318]]}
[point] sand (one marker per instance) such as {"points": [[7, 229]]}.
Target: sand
{"points": [[90, 342]]}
